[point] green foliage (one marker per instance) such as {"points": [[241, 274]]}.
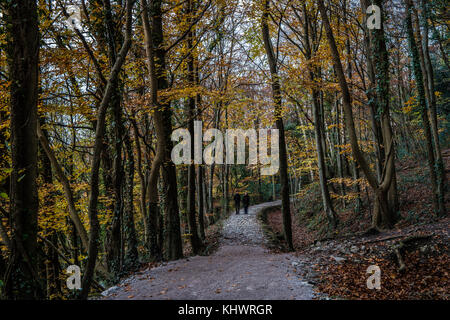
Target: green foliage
{"points": [[310, 208]]}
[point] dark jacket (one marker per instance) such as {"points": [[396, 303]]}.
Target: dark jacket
{"points": [[246, 200], [237, 198]]}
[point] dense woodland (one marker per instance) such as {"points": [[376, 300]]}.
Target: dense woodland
{"points": [[88, 104]]}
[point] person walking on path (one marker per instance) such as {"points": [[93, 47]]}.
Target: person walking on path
{"points": [[237, 202], [246, 202]]}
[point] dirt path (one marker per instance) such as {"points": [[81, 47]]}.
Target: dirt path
{"points": [[240, 269]]}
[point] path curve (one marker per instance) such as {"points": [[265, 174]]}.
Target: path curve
{"points": [[241, 269]]}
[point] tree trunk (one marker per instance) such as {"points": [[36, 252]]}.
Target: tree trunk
{"points": [[422, 102], [201, 207], [379, 62], [326, 199], [66, 186], [162, 117], [52, 266], [22, 279], [114, 254], [380, 189], [355, 170], [196, 242], [319, 128], [440, 169], [131, 259], [98, 146], [276, 93], [213, 166]]}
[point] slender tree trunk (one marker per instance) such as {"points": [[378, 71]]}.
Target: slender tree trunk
{"points": [[355, 170], [114, 253], [213, 166], [98, 146], [196, 242], [143, 184], [338, 142], [152, 189], [422, 102], [276, 92], [162, 116], [225, 179], [52, 266], [326, 199], [200, 171], [66, 186], [440, 169], [201, 207], [319, 128], [131, 259]]}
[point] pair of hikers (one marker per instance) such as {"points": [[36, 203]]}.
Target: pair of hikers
{"points": [[245, 202]]}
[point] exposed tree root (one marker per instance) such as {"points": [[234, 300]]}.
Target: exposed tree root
{"points": [[405, 244]]}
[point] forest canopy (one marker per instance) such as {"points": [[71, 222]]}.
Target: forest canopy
{"points": [[92, 90]]}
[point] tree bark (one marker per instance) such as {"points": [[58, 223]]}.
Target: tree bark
{"points": [[200, 171], [422, 102], [52, 267], [276, 93], [380, 189], [162, 116], [98, 146], [131, 259], [326, 199], [440, 168], [22, 279], [196, 241], [318, 127], [114, 252]]}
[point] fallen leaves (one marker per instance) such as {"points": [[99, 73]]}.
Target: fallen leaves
{"points": [[340, 271], [424, 278]]}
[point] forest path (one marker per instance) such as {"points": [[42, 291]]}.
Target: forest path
{"points": [[240, 269]]}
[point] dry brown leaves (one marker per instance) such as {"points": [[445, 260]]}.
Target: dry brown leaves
{"points": [[424, 278]]}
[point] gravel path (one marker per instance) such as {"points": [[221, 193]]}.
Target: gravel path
{"points": [[241, 269]]}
